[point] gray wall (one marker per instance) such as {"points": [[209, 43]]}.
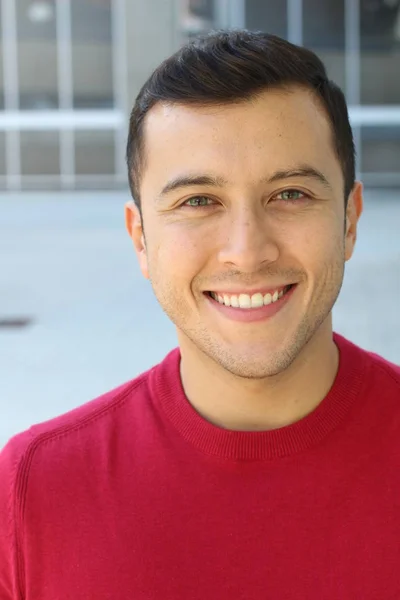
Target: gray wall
{"points": [[152, 35]]}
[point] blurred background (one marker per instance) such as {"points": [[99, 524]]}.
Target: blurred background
{"points": [[76, 318]]}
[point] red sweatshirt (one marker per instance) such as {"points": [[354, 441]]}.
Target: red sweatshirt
{"points": [[136, 496]]}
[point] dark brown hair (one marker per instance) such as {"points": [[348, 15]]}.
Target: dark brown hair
{"points": [[231, 66]]}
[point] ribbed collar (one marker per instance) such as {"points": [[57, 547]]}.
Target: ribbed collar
{"points": [[169, 396]]}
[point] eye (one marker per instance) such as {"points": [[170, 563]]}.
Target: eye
{"points": [[198, 201], [291, 195]]}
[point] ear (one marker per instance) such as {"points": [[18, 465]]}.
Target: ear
{"points": [[133, 224], [353, 213]]}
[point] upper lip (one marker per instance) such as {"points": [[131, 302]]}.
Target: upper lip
{"points": [[251, 292]]}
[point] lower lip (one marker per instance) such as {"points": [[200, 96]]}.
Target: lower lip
{"points": [[250, 315]]}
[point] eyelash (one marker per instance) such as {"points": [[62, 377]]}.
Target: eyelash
{"points": [[289, 190]]}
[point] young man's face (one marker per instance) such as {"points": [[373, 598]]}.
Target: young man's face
{"points": [[247, 228]]}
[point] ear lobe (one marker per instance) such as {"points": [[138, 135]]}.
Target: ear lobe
{"points": [[134, 227]]}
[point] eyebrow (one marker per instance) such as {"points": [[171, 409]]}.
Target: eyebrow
{"points": [[191, 180], [302, 171], [182, 181]]}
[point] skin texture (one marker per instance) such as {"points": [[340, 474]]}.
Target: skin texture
{"points": [[267, 374]]}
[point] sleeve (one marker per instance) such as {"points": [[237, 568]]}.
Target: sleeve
{"points": [[9, 467]]}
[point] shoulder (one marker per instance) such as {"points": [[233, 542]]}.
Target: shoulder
{"points": [[61, 454], [379, 374], [123, 409], [69, 432], [385, 371]]}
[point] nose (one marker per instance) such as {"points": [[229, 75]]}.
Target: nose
{"points": [[248, 242]]}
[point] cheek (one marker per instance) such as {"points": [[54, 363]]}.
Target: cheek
{"points": [[317, 243], [177, 250]]}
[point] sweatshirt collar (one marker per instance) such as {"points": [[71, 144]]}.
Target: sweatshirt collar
{"points": [[213, 440]]}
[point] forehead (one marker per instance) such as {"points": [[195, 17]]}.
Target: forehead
{"points": [[274, 130]]}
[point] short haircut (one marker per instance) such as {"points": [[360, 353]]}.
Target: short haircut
{"points": [[226, 67]]}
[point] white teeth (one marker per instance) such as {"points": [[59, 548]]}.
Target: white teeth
{"points": [[245, 301], [257, 300], [235, 301], [227, 300], [267, 299]]}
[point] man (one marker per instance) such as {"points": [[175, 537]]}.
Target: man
{"points": [[261, 458]]}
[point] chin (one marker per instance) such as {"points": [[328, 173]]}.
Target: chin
{"points": [[250, 366], [248, 371]]}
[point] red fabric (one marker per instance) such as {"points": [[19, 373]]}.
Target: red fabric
{"points": [[134, 495]]}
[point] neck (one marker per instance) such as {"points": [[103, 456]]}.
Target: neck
{"points": [[240, 404]]}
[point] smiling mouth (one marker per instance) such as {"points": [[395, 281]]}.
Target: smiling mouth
{"points": [[247, 301]]}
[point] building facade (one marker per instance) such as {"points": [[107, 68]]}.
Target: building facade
{"points": [[70, 70]]}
